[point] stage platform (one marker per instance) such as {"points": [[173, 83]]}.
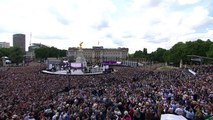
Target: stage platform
{"points": [[73, 72]]}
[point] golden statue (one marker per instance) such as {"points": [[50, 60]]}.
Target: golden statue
{"points": [[81, 44]]}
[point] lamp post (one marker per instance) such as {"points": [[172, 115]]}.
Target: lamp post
{"points": [[68, 74]]}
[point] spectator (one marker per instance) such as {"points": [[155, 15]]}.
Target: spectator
{"points": [[126, 116]]}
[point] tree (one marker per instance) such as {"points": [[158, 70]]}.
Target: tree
{"points": [[198, 47], [16, 55], [210, 51], [138, 54], [166, 56], [145, 51], [176, 53], [45, 52], [53, 52], [158, 55], [5, 52], [62, 53], [41, 53]]}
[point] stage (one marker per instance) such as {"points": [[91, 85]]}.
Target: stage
{"points": [[72, 72]]}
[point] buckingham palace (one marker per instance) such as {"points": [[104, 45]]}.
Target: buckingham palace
{"points": [[98, 54]]}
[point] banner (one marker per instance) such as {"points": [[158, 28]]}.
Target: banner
{"points": [[172, 117]]}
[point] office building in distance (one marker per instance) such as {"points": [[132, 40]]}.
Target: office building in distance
{"points": [[4, 45], [19, 41]]}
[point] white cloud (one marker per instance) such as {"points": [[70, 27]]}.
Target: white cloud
{"points": [[141, 24], [196, 17], [185, 2]]}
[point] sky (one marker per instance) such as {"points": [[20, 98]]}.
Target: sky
{"points": [[134, 24]]}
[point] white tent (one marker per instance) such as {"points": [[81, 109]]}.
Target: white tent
{"points": [[8, 61], [172, 117]]}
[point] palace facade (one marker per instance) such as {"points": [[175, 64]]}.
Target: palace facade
{"points": [[98, 54]]}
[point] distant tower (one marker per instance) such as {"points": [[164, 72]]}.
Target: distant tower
{"points": [[19, 41], [30, 38]]}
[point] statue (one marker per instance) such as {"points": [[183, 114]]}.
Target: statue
{"points": [[80, 56], [80, 45]]}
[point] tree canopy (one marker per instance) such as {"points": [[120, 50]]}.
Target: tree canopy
{"points": [[15, 54], [178, 52], [45, 52]]}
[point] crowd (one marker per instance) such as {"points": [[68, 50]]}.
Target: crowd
{"points": [[127, 94]]}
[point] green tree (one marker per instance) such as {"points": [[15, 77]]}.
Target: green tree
{"points": [[62, 53], [138, 54], [41, 53], [198, 47], [177, 53], [53, 52], [210, 51], [166, 56], [145, 51], [45, 52], [16, 55], [5, 52], [158, 55]]}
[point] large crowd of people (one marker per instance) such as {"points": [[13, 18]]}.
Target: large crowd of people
{"points": [[127, 94]]}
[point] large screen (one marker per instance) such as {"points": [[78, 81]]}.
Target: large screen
{"points": [[76, 65]]}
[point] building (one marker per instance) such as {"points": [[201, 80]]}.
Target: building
{"points": [[30, 54], [99, 54], [19, 41], [4, 45], [35, 46]]}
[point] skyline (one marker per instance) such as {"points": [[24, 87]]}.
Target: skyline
{"points": [[134, 24]]}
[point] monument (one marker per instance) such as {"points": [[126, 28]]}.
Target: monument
{"points": [[80, 57]]}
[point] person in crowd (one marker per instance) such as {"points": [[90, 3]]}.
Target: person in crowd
{"points": [[126, 116]]}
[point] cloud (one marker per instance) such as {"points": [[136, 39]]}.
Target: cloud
{"points": [[139, 4], [2, 30], [186, 2], [156, 38], [135, 24], [53, 37], [102, 25], [118, 42], [128, 36], [59, 17], [109, 35]]}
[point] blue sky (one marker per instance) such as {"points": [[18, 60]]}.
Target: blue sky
{"points": [[135, 24]]}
